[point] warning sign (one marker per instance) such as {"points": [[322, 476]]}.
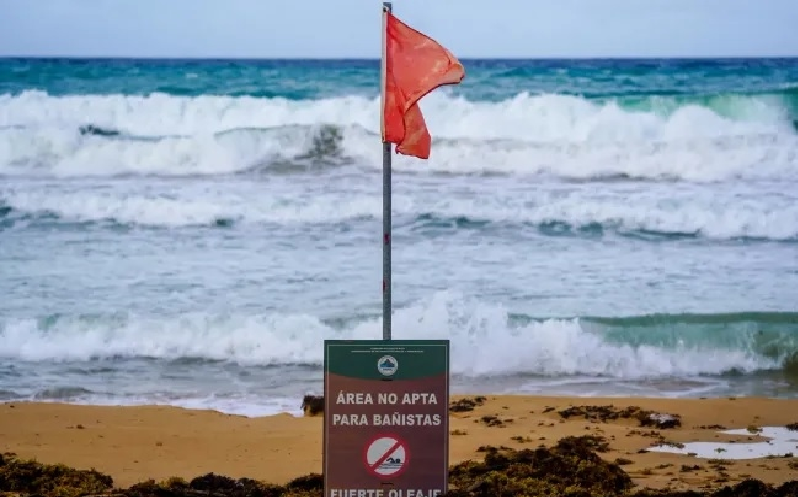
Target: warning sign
{"points": [[387, 404], [386, 456]]}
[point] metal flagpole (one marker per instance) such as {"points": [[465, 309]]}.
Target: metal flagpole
{"points": [[386, 193]]}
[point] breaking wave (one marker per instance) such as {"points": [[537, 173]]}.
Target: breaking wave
{"points": [[565, 136], [486, 340]]}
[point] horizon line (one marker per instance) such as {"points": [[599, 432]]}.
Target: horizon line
{"points": [[364, 59]]}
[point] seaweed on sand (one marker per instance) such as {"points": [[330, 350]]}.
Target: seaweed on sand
{"points": [[34, 478], [571, 468], [610, 412]]}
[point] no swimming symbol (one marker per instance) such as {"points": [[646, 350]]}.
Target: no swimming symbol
{"points": [[386, 456]]}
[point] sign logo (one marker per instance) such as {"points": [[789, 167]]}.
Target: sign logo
{"points": [[387, 365], [386, 456]]}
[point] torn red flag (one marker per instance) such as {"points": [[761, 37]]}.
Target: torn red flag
{"points": [[415, 64]]}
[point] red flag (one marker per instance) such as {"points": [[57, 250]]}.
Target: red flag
{"points": [[415, 64]]}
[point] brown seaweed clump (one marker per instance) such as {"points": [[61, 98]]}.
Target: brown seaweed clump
{"points": [[466, 405], [313, 405], [494, 421], [222, 486], [609, 412], [570, 468], [32, 477]]}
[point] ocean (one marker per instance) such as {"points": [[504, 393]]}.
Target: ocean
{"points": [[188, 232]]}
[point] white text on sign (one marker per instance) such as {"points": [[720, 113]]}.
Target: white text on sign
{"points": [[383, 492], [347, 398], [393, 419]]}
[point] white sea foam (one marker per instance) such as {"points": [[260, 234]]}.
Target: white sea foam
{"points": [[551, 134], [483, 342], [716, 212], [251, 406]]}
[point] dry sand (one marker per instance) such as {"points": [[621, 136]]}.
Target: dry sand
{"points": [[133, 444]]}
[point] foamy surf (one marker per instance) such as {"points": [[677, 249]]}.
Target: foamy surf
{"points": [[189, 233], [263, 364], [485, 341], [736, 212], [564, 136]]}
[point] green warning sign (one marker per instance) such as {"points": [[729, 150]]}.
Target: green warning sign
{"points": [[386, 418]]}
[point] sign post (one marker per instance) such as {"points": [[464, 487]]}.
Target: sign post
{"points": [[386, 195], [386, 418]]}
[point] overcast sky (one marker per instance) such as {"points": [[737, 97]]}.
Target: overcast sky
{"points": [[351, 28]]}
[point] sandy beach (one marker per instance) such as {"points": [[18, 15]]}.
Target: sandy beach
{"points": [[133, 444]]}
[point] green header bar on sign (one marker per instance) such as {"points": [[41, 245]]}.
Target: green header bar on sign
{"points": [[386, 360]]}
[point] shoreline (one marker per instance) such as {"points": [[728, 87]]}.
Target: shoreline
{"points": [[138, 443], [296, 410]]}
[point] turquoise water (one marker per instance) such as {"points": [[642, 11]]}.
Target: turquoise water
{"points": [[188, 232]]}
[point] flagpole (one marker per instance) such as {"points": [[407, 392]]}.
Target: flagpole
{"points": [[386, 192]]}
